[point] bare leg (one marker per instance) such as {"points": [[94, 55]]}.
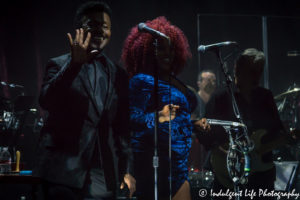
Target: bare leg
{"points": [[184, 192]]}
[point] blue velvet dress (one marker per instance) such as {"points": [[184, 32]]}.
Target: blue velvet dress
{"points": [[141, 98]]}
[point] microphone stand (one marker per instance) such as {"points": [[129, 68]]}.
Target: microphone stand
{"points": [[233, 144], [156, 116], [170, 142], [155, 156], [230, 89]]}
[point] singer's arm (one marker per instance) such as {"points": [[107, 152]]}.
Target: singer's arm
{"points": [[60, 73], [140, 99]]}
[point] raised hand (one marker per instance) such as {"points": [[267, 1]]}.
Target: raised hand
{"points": [[79, 47], [164, 114]]}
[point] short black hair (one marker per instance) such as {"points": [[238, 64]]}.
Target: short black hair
{"points": [[90, 7]]}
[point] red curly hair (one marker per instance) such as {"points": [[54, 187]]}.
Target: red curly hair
{"points": [[138, 51]]}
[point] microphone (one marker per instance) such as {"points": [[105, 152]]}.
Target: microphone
{"points": [[203, 48], [142, 27], [224, 123]]}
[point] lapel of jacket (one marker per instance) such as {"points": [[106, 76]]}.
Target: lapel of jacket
{"points": [[110, 67], [83, 75]]}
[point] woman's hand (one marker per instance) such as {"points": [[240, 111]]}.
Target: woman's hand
{"points": [[202, 125], [130, 182], [164, 114]]}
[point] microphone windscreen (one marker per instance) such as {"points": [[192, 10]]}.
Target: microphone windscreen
{"points": [[141, 26], [201, 48]]}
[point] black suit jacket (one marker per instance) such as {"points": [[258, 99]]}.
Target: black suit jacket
{"points": [[69, 136]]}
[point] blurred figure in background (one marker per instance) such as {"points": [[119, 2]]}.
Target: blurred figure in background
{"points": [[206, 86]]}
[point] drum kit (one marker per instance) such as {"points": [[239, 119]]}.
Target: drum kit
{"points": [[288, 105], [199, 181], [14, 114]]}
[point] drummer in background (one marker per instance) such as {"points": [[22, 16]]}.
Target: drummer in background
{"points": [[206, 86]]}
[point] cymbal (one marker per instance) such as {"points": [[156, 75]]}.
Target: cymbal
{"points": [[289, 92]]}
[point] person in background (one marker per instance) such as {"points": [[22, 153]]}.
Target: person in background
{"points": [[206, 86]]}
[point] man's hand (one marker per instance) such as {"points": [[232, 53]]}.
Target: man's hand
{"points": [[202, 125], [164, 114], [79, 47], [130, 182]]}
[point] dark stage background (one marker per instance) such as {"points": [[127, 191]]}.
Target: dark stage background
{"points": [[31, 32]]}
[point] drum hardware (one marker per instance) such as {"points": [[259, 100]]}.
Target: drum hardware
{"points": [[11, 85], [290, 92], [8, 121], [293, 53], [288, 108], [200, 180], [13, 113]]}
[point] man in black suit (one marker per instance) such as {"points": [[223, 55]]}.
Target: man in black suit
{"points": [[85, 95]]}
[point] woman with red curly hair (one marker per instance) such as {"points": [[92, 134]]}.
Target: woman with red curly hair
{"points": [[141, 57]]}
